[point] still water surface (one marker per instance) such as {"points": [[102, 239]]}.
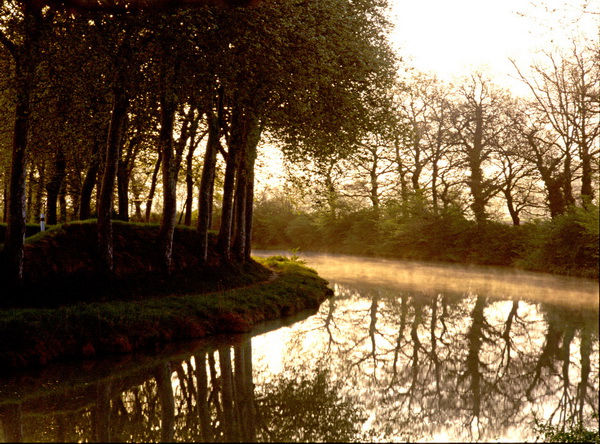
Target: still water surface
{"points": [[403, 351]]}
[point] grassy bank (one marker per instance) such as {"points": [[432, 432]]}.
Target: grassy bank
{"points": [[62, 266], [37, 336]]}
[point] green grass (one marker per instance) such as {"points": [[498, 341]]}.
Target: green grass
{"points": [[36, 336]]}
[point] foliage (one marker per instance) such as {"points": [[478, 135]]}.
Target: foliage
{"points": [[270, 221], [567, 244], [573, 432], [411, 230]]}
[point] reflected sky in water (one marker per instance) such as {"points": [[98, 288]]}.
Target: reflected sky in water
{"points": [[403, 351]]}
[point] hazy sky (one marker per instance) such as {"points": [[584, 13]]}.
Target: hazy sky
{"points": [[445, 36], [449, 37]]}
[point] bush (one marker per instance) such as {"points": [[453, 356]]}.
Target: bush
{"points": [[572, 432], [271, 217], [567, 244], [425, 236], [303, 232]]}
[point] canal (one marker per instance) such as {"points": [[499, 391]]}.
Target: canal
{"points": [[404, 351]]}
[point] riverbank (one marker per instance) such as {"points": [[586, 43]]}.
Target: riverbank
{"points": [[37, 336]]}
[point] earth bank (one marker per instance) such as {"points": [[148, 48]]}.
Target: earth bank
{"points": [[64, 311]]}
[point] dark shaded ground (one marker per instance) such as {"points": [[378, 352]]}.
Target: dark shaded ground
{"points": [[62, 267]]}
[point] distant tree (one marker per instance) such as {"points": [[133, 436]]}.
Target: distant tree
{"points": [[540, 148], [373, 160], [478, 122], [518, 177], [425, 105], [566, 91]]}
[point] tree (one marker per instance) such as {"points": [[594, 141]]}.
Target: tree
{"points": [[307, 79], [541, 149], [21, 34], [425, 104], [478, 122], [24, 47], [566, 92]]}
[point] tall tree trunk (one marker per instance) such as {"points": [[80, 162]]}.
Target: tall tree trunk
{"points": [[62, 203], [189, 186], [401, 172], [567, 185], [124, 170], [514, 214], [587, 190], [235, 144], [476, 179], [25, 56], [189, 176], [105, 201], [374, 180], [54, 186], [153, 187], [74, 190], [250, 203], [244, 194], [123, 189], [95, 163], [435, 170], [239, 205], [188, 133], [207, 184], [89, 182], [38, 200], [169, 173], [30, 182]]}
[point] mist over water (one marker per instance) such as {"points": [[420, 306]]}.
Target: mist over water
{"points": [[493, 282]]}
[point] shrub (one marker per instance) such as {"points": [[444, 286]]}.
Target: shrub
{"points": [[572, 432], [567, 244]]}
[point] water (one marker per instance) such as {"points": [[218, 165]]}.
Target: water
{"points": [[404, 351]]}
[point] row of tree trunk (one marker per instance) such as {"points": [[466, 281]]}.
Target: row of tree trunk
{"points": [[244, 134]]}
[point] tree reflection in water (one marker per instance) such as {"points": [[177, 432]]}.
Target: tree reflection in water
{"points": [[456, 367], [372, 364], [205, 397]]}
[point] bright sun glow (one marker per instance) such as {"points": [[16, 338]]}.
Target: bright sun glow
{"points": [[451, 38]]}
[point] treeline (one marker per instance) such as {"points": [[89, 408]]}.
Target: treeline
{"points": [[461, 172], [123, 99], [120, 110], [567, 244]]}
